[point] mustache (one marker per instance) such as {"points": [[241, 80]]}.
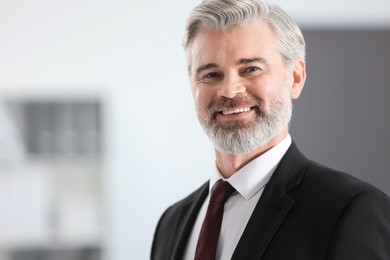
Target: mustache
{"points": [[223, 103]]}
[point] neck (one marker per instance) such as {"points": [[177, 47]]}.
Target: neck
{"points": [[229, 164]]}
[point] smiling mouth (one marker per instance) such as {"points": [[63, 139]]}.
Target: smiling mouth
{"points": [[235, 111]]}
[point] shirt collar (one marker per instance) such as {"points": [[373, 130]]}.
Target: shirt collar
{"points": [[255, 175]]}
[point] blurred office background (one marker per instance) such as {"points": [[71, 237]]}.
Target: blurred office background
{"points": [[98, 133]]}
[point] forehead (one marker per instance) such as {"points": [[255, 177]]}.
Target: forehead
{"points": [[242, 41]]}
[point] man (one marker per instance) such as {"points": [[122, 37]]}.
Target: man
{"points": [[246, 62]]}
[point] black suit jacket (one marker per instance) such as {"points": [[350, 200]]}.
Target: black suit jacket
{"points": [[306, 212]]}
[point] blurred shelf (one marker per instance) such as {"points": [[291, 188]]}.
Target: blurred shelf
{"points": [[50, 179]]}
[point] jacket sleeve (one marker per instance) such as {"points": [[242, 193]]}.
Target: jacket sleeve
{"points": [[364, 230]]}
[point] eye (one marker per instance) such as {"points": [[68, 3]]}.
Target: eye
{"points": [[212, 75], [251, 69]]}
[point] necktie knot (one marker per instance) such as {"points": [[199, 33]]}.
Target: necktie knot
{"points": [[221, 192]]}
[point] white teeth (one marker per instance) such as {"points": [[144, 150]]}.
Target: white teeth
{"points": [[236, 111]]}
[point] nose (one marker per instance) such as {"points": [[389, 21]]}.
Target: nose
{"points": [[231, 86]]}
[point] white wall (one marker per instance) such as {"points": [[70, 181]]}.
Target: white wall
{"points": [[129, 53], [336, 14]]}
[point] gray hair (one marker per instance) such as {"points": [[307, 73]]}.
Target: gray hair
{"points": [[225, 14]]}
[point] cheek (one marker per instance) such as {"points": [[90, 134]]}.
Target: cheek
{"points": [[262, 90], [202, 97], [267, 91]]}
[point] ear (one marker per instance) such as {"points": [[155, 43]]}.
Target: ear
{"points": [[299, 77]]}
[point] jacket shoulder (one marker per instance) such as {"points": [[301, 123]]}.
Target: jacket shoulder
{"points": [[175, 222], [360, 213], [333, 183], [186, 201]]}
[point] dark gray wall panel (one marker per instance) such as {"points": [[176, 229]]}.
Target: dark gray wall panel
{"points": [[342, 118]]}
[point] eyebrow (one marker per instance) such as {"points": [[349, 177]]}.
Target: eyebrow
{"points": [[253, 60]]}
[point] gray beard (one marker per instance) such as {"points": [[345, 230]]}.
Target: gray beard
{"points": [[238, 138]]}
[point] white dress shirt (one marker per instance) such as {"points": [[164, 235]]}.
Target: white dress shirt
{"points": [[249, 183]]}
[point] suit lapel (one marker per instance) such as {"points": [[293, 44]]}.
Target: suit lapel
{"points": [[272, 207], [186, 221]]}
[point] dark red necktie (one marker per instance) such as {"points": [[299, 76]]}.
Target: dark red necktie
{"points": [[208, 238]]}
